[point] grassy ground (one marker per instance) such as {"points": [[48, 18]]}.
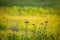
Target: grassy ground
{"points": [[38, 21], [42, 24]]}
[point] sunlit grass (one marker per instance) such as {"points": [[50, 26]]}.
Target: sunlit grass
{"points": [[29, 27]]}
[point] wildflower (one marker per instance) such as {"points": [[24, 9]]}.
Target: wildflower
{"points": [[46, 21], [33, 24], [10, 36], [9, 33], [41, 23], [26, 22]]}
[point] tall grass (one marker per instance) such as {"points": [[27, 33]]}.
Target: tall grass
{"points": [[13, 26]]}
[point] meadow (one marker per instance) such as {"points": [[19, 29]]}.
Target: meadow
{"points": [[29, 23]]}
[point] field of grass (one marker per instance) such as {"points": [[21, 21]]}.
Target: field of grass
{"points": [[29, 24]]}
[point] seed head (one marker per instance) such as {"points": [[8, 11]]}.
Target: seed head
{"points": [[9, 33], [46, 21], [26, 22], [41, 23], [33, 24]]}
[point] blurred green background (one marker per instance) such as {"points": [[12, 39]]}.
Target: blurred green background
{"points": [[37, 3]]}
